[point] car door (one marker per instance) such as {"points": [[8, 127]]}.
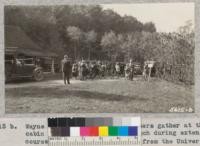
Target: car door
{"points": [[28, 69], [18, 68]]}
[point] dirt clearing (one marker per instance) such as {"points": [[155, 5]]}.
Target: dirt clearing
{"points": [[105, 96]]}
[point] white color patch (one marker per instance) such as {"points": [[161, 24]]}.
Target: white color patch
{"points": [[74, 131]]}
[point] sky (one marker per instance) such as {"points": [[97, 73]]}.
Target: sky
{"points": [[167, 17]]}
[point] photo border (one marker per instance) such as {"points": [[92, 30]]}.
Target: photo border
{"points": [[87, 2]]}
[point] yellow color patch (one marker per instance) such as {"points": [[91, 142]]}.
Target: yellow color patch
{"points": [[103, 131]]}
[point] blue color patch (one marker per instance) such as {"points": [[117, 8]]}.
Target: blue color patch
{"points": [[133, 131], [123, 131]]}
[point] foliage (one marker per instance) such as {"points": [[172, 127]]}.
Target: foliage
{"points": [[90, 39], [47, 25], [89, 32]]}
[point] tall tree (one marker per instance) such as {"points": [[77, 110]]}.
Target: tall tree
{"points": [[109, 43], [149, 27], [90, 39], [75, 35]]}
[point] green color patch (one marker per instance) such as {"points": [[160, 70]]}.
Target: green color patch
{"points": [[113, 131]]}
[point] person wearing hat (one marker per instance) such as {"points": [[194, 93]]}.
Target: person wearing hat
{"points": [[131, 66], [66, 69], [117, 69]]}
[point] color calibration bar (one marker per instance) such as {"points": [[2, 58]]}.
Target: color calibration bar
{"points": [[94, 131], [93, 127]]}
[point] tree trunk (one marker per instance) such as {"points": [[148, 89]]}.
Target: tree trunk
{"points": [[52, 66], [89, 53], [75, 51], [110, 54]]}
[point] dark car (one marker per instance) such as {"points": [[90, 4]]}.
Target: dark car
{"points": [[137, 68], [21, 67]]}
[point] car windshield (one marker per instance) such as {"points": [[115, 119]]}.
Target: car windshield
{"points": [[25, 59]]}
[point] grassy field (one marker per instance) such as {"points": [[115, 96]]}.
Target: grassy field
{"points": [[104, 96]]}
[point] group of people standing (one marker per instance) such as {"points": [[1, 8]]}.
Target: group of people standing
{"points": [[96, 69]]}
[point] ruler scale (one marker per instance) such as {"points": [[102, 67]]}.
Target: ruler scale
{"points": [[125, 131], [91, 141]]}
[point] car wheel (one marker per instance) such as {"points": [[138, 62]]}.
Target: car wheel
{"points": [[38, 75]]}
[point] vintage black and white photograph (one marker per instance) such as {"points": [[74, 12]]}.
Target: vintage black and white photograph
{"points": [[106, 58]]}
